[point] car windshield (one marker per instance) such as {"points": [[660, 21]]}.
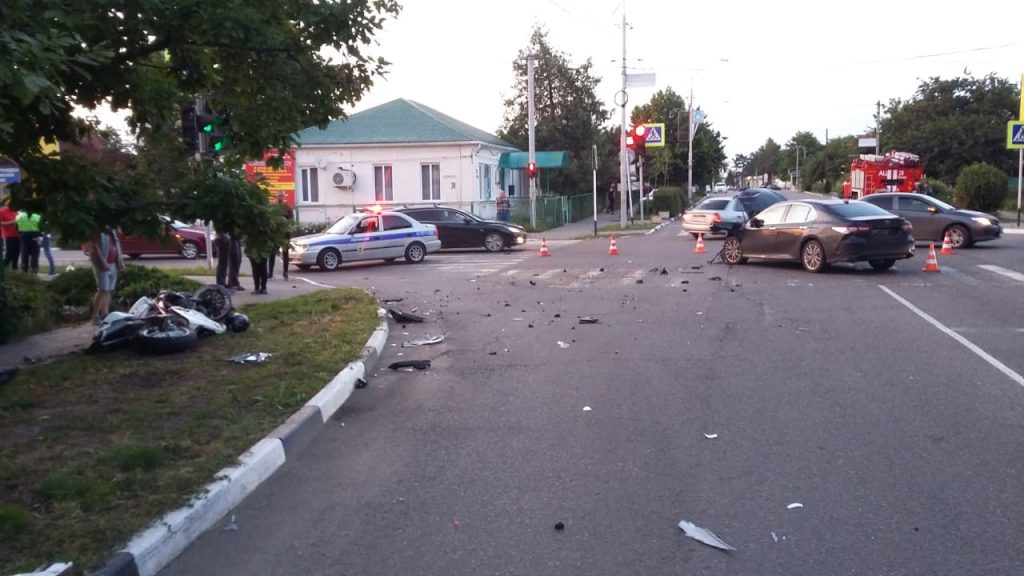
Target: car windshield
{"points": [[713, 204], [344, 225], [940, 203], [858, 210]]}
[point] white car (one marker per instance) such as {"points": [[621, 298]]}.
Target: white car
{"points": [[714, 215], [365, 236]]}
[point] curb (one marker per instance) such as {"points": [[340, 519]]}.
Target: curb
{"points": [[153, 548], [659, 226]]}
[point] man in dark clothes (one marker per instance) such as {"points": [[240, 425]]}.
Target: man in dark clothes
{"points": [[288, 214]]}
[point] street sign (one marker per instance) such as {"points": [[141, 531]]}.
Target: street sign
{"points": [[1015, 135], [10, 175], [655, 136], [640, 80]]}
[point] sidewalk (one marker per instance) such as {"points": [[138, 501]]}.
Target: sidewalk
{"points": [[50, 345], [585, 228]]}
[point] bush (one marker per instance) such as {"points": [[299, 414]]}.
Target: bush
{"points": [[306, 228], [941, 190], [668, 199], [31, 307], [76, 288], [980, 186]]}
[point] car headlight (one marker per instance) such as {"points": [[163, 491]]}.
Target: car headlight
{"points": [[982, 220], [299, 248]]}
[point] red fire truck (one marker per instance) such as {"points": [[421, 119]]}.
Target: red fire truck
{"points": [[894, 172]]}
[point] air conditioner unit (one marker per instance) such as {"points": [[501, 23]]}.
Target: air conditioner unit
{"points": [[344, 179]]}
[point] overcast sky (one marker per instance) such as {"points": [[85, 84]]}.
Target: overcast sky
{"points": [[758, 69]]}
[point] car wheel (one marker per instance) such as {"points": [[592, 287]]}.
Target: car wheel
{"points": [[959, 237], [812, 255], [493, 242], [189, 250], [328, 259], [732, 251], [415, 253], [882, 264]]}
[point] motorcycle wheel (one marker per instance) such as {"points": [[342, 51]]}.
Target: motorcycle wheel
{"points": [[215, 300], [165, 339]]}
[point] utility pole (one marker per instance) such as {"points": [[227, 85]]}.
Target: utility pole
{"points": [[623, 160], [878, 119], [531, 120], [689, 153]]}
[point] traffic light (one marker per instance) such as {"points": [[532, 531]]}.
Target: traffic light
{"points": [[213, 128], [639, 134], [531, 170], [189, 129]]}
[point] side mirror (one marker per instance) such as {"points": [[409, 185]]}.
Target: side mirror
{"points": [[756, 223], [467, 220], [933, 209]]}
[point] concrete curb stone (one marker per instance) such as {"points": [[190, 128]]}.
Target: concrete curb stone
{"points": [[153, 548]]}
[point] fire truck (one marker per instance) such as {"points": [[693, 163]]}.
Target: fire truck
{"points": [[894, 172]]}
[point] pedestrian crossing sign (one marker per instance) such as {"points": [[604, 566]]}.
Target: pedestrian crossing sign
{"points": [[1015, 135], [655, 135]]}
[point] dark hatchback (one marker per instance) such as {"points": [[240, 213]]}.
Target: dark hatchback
{"points": [[754, 200], [817, 233], [458, 229], [932, 218]]}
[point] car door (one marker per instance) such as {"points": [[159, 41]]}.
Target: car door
{"points": [[791, 231], [762, 241], [444, 230], [364, 241], [927, 225], [459, 233], [397, 231]]}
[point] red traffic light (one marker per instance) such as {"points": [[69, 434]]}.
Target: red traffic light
{"points": [[638, 136], [531, 170], [630, 142], [639, 132]]}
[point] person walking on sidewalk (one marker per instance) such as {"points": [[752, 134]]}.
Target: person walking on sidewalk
{"points": [[31, 240], [106, 259], [9, 233], [288, 214]]}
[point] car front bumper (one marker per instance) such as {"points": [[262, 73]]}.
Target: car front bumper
{"points": [[305, 257]]}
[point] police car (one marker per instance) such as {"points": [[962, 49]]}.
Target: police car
{"points": [[373, 235]]}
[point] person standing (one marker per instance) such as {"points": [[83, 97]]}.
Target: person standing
{"points": [[106, 259], [9, 233], [611, 198], [258, 261], [235, 263], [503, 206], [222, 243], [46, 240], [288, 214], [31, 240]]}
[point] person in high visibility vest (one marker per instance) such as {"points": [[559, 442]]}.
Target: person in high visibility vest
{"points": [[31, 240]]}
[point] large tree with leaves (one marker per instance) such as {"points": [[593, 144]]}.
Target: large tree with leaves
{"points": [[569, 114], [953, 123], [262, 63]]}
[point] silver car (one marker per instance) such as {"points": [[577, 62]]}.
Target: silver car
{"points": [[714, 215], [366, 236]]}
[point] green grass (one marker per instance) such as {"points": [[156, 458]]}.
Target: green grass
{"points": [[198, 271], [97, 447]]}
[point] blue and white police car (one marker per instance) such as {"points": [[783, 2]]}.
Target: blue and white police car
{"points": [[374, 235]]}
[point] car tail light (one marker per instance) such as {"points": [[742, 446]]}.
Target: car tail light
{"points": [[717, 217], [853, 229], [907, 227]]}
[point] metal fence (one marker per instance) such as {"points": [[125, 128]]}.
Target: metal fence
{"points": [[552, 211]]}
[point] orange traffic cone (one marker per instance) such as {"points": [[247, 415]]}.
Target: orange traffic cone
{"points": [[699, 249], [932, 263], [613, 250], [544, 247], [947, 246]]}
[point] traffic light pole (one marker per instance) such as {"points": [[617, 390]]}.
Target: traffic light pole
{"points": [[623, 159], [531, 120], [200, 150]]}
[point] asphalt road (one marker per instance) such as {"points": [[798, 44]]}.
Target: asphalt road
{"points": [[834, 391]]}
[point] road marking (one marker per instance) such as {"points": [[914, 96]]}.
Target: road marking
{"points": [[966, 343], [1000, 270], [308, 281]]}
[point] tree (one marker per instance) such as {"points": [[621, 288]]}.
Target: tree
{"points": [[953, 123], [981, 187], [802, 143], [569, 114], [244, 58], [766, 161]]}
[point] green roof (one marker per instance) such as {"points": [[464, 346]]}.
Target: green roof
{"points": [[400, 121], [518, 160]]}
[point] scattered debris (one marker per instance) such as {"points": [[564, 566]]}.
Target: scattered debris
{"points": [[663, 272], [703, 535], [714, 278], [532, 283], [774, 537], [684, 281], [456, 523], [417, 364], [231, 527], [558, 315], [560, 526], [710, 436], [392, 300], [588, 320], [360, 383], [562, 345], [423, 341], [400, 316], [600, 270], [29, 360], [639, 280], [694, 267], [794, 506], [492, 353], [586, 409], [246, 357]]}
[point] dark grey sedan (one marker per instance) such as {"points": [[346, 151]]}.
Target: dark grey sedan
{"points": [[932, 218]]}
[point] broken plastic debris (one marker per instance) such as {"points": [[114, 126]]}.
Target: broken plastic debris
{"points": [[795, 505], [563, 345], [703, 535], [663, 272], [417, 364], [715, 278], [588, 320], [231, 527], [560, 526], [360, 383], [247, 357], [587, 408], [711, 436], [423, 341], [774, 537], [400, 316]]}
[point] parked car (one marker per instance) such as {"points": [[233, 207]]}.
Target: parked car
{"points": [[715, 215], [817, 233], [179, 238], [365, 236], [755, 200], [932, 218], [458, 229]]}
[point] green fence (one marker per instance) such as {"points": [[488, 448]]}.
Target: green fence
{"points": [[553, 211]]}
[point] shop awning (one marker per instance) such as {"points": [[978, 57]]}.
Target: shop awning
{"points": [[518, 160]]}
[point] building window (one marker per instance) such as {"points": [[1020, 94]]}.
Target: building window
{"points": [[431, 177], [383, 190], [485, 182], [309, 189]]}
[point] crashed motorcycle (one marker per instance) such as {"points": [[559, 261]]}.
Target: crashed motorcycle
{"points": [[166, 322]]}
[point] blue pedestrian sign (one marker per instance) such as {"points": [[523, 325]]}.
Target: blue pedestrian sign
{"points": [[1015, 135], [10, 174], [655, 135]]}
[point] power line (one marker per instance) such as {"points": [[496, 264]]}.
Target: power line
{"points": [[940, 54]]}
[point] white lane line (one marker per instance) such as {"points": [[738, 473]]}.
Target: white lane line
{"points": [[1000, 270], [308, 281], [967, 343]]}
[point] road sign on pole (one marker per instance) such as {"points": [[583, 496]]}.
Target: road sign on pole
{"points": [[1015, 135], [655, 135]]}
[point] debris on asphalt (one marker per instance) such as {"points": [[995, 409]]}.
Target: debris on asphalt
{"points": [[400, 316], [794, 506], [560, 526], [713, 278], [529, 325], [639, 280], [231, 527], [423, 341], [684, 281], [492, 353], [703, 535], [586, 408], [392, 300], [694, 267], [710, 436], [563, 345], [588, 320], [663, 272], [254, 357], [417, 364], [558, 315], [360, 383], [774, 537], [532, 283], [600, 269]]}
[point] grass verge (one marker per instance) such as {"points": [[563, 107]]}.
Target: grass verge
{"points": [[198, 271], [97, 447]]}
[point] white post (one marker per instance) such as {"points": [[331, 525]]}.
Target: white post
{"points": [[1020, 177], [595, 189], [640, 173], [531, 120], [689, 154], [623, 159]]}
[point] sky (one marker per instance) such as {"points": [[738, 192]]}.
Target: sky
{"points": [[757, 69]]}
